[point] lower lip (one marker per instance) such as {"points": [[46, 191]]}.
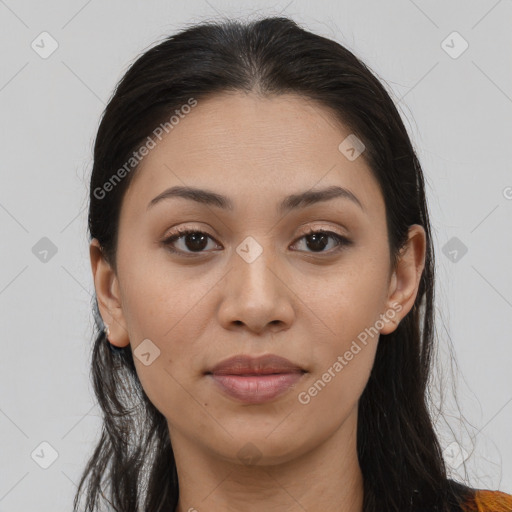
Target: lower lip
{"points": [[256, 389]]}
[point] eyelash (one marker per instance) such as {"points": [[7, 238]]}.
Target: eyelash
{"points": [[341, 241]]}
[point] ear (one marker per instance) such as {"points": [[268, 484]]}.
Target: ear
{"points": [[405, 280], [107, 293]]}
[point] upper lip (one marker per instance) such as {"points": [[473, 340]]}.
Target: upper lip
{"points": [[248, 365]]}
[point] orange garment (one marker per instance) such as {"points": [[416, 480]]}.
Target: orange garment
{"points": [[488, 501]]}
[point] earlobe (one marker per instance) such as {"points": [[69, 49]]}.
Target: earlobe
{"points": [[405, 280], [107, 293]]}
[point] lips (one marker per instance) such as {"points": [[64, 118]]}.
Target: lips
{"points": [[255, 380], [263, 365]]}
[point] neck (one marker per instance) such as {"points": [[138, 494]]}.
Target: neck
{"points": [[327, 477]]}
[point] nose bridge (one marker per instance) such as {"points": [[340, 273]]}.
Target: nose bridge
{"points": [[256, 294], [255, 268]]}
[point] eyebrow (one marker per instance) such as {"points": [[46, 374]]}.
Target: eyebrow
{"points": [[291, 202]]}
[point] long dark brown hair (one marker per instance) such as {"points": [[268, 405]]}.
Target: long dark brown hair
{"points": [[133, 467]]}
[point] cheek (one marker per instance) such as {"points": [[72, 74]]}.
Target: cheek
{"points": [[344, 354], [347, 311], [346, 299], [158, 295], [168, 306], [339, 384]]}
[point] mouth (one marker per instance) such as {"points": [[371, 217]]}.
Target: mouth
{"points": [[255, 380]]}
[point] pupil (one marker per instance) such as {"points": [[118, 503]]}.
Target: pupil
{"points": [[199, 241], [316, 238]]}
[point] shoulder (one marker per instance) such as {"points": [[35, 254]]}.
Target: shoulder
{"points": [[489, 501], [480, 500]]}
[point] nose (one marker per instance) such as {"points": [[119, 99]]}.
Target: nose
{"points": [[256, 295]]}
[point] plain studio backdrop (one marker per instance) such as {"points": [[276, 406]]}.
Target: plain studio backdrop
{"points": [[446, 64]]}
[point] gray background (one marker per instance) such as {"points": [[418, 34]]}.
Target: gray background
{"points": [[457, 109]]}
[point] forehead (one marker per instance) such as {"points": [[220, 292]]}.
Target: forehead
{"points": [[245, 146]]}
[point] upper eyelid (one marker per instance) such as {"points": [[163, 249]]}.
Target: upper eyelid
{"points": [[180, 232]]}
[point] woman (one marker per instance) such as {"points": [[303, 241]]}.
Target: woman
{"points": [[263, 263]]}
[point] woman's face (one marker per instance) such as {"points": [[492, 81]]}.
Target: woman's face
{"points": [[255, 283]]}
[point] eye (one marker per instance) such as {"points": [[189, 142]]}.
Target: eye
{"points": [[319, 239], [193, 239], [196, 241]]}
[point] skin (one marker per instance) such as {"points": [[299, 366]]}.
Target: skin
{"points": [[305, 304]]}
